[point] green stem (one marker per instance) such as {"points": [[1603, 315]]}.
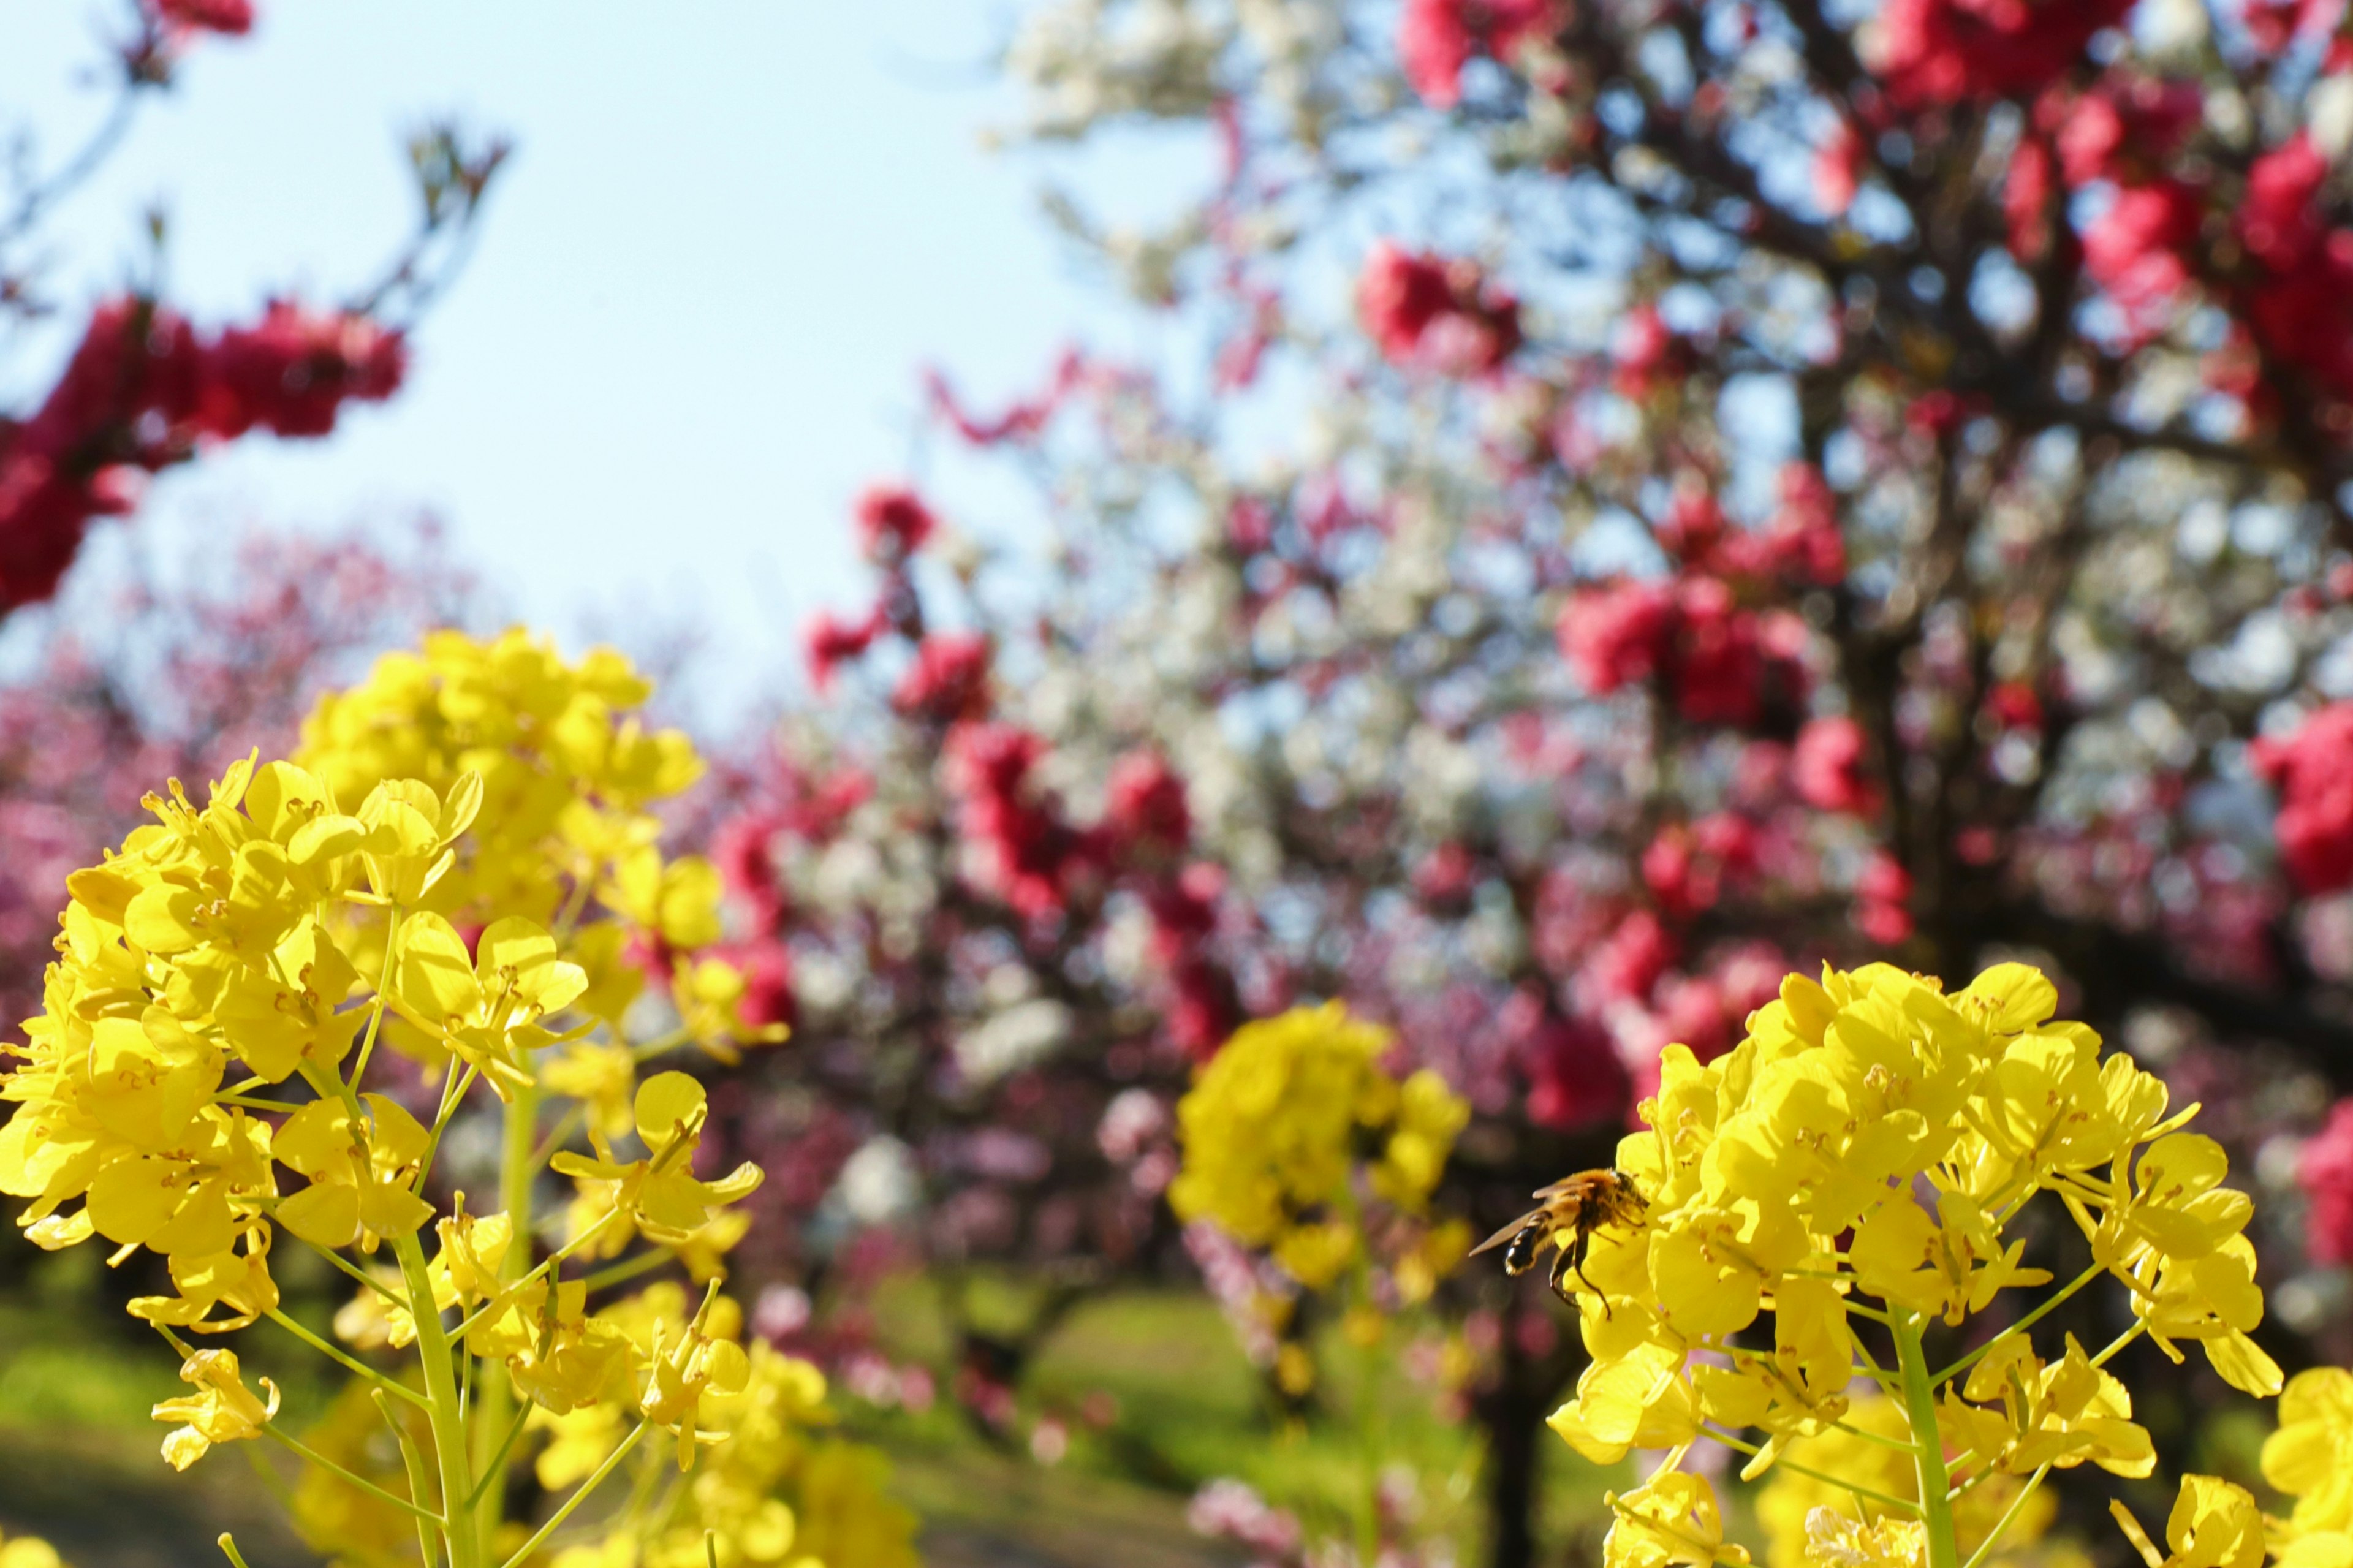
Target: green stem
{"points": [[498, 1459], [391, 1297], [629, 1268], [332, 1468], [441, 1394], [1928, 1443], [415, 1462], [519, 1136], [552, 1261], [383, 990], [1900, 1505], [579, 1496], [254, 1102], [2019, 1327], [1985, 1547], [335, 1354], [452, 1098]]}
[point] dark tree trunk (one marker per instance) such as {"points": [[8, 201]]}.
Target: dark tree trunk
{"points": [[1513, 1415]]}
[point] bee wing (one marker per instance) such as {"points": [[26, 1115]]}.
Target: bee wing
{"points": [[1506, 1234], [1567, 1184]]}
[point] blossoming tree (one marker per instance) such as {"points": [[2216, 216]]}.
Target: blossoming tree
{"points": [[144, 389], [1674, 493]]}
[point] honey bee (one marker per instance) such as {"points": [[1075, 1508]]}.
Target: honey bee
{"points": [[1578, 1205]]}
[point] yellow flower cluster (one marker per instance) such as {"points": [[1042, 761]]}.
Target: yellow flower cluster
{"points": [[1270, 1130], [193, 1085], [2310, 1458], [569, 773], [778, 1492], [1808, 1519], [1862, 1159]]}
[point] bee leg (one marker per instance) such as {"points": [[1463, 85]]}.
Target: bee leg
{"points": [[1570, 1260], [1576, 1265]]}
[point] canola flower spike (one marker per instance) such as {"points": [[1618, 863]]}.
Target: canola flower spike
{"points": [[1862, 1157], [198, 1084], [559, 828], [1270, 1131]]}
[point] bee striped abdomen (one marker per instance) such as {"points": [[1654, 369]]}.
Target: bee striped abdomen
{"points": [[1520, 1254]]}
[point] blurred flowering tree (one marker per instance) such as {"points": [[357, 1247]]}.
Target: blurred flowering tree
{"points": [[1677, 492], [145, 389]]}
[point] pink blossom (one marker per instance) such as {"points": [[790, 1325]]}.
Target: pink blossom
{"points": [[2026, 191], [2277, 222]]}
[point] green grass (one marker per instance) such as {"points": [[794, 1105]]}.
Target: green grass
{"points": [[1188, 1406]]}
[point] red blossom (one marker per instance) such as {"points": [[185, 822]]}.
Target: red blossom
{"points": [[1958, 51], [292, 373], [1575, 1076], [2324, 1171], [1627, 963], [1619, 636], [1881, 892], [234, 17], [1827, 766], [2133, 250], [1024, 852], [2026, 198], [892, 523], [1427, 312], [1022, 421], [948, 680], [828, 643], [1436, 38], [2313, 772], [1718, 659], [1143, 806], [2122, 131], [1838, 168], [1645, 352], [766, 965]]}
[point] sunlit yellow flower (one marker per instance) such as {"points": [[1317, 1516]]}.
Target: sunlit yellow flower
{"points": [[1669, 1519], [2214, 1524], [222, 1410], [661, 1193]]}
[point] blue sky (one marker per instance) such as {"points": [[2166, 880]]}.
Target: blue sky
{"points": [[733, 233]]}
